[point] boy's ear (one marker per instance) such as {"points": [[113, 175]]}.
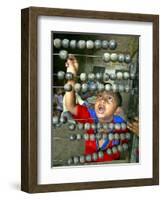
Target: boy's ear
{"points": [[119, 111]]}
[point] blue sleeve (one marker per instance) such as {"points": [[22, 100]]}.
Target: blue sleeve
{"points": [[93, 114], [118, 119]]}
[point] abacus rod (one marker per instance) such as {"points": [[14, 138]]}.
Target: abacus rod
{"points": [[82, 55]]}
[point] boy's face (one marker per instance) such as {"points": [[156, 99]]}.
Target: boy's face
{"points": [[105, 105]]}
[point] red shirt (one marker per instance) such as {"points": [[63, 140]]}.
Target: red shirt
{"points": [[83, 116]]}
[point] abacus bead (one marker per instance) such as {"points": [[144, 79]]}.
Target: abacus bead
{"points": [[98, 76], [114, 88], [77, 87], [100, 87], [105, 44], [80, 126], [128, 136], [106, 77], [106, 57], [83, 77], [112, 76], [84, 87], [87, 126], [93, 87], [63, 54], [86, 136], [116, 136], [60, 75], [65, 43], [97, 44], [127, 58], [63, 119], [125, 146], [92, 137], [70, 161], [122, 136], [114, 149], [119, 75], [121, 88], [109, 151], [105, 126], [94, 156], [98, 136], [73, 44], [108, 87], [69, 76], [78, 136], [93, 126], [111, 126], [82, 159], [71, 126], [99, 125], [55, 120], [100, 154], [88, 157], [127, 88], [119, 147], [132, 76], [91, 77], [121, 58], [73, 137], [111, 136], [113, 57], [90, 44], [76, 160], [57, 43], [68, 87], [123, 126], [104, 136], [126, 75], [112, 44], [81, 44]]}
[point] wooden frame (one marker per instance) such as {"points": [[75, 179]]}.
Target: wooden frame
{"points": [[29, 99]]}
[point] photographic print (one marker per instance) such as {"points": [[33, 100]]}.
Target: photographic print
{"points": [[89, 99], [95, 99]]}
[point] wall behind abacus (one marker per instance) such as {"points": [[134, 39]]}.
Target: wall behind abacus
{"points": [[10, 98]]}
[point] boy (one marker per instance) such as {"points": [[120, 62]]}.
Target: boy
{"points": [[106, 105]]}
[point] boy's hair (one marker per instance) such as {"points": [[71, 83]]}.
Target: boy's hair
{"points": [[117, 96]]}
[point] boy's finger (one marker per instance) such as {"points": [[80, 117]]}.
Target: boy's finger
{"points": [[136, 119]]}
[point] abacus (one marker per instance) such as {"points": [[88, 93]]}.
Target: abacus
{"points": [[107, 63]]}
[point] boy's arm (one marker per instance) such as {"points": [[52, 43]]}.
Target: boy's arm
{"points": [[134, 126], [70, 98]]}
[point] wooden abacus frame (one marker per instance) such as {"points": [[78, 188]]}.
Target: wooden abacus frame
{"points": [[29, 136]]}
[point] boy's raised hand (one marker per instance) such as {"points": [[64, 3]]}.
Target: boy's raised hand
{"points": [[72, 64]]}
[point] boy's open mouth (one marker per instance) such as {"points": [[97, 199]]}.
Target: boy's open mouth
{"points": [[101, 109]]}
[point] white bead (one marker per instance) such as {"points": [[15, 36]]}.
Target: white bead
{"points": [[57, 43], [83, 77], [113, 57], [84, 87], [81, 44], [73, 44], [77, 87], [108, 87], [112, 44], [105, 44], [97, 44], [121, 57], [90, 44], [65, 43], [119, 75], [60, 75], [63, 54]]}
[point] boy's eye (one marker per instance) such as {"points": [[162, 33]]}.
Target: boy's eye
{"points": [[110, 98]]}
